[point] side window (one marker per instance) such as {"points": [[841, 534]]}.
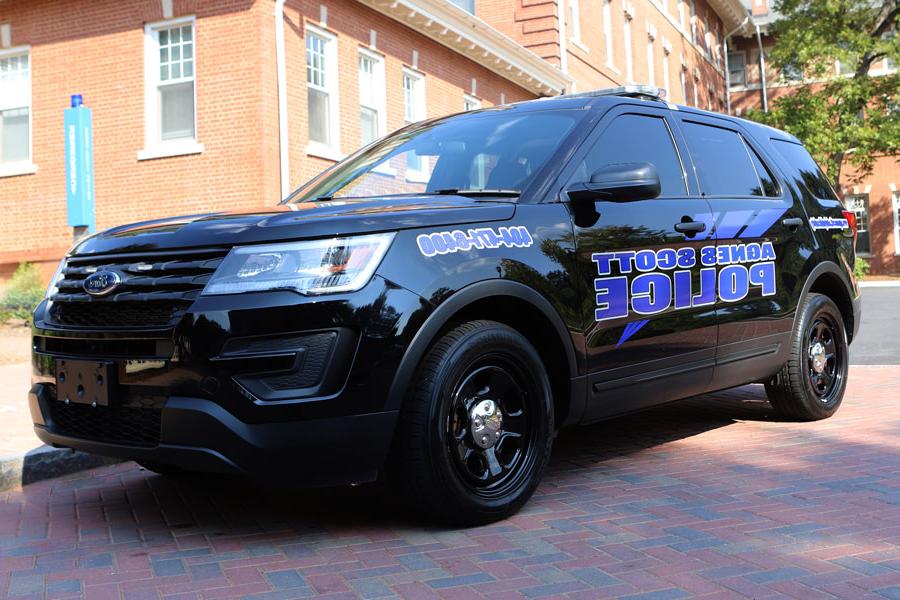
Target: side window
{"points": [[638, 138], [769, 185], [805, 169], [723, 161]]}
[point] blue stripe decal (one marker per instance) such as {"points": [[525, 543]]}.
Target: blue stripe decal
{"points": [[631, 329], [762, 222], [731, 223]]}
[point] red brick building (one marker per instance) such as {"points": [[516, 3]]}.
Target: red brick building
{"points": [[211, 105], [876, 198]]}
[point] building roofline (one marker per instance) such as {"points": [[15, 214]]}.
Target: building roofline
{"points": [[466, 34], [733, 14]]}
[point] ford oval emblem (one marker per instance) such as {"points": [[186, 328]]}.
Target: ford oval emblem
{"points": [[101, 283]]}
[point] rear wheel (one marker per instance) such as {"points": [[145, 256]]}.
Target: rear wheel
{"points": [[475, 434], [811, 384]]}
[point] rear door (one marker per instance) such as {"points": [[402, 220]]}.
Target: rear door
{"points": [[650, 322], [762, 241]]}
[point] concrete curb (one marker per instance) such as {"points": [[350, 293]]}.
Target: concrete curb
{"points": [[879, 284], [45, 462]]}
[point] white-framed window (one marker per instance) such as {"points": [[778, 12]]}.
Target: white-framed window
{"points": [[15, 112], [737, 68], [607, 32], [322, 93], [681, 14], [895, 204], [859, 204], [170, 114], [693, 16], [629, 61], [684, 97], [575, 20], [665, 69], [413, 111], [372, 97], [470, 102], [651, 67]]}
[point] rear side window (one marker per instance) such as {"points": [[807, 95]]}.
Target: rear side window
{"points": [[638, 138], [724, 162], [804, 169]]}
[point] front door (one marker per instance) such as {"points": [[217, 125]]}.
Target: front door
{"points": [[650, 330]]}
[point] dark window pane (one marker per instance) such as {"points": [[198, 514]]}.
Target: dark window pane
{"points": [[638, 138], [769, 187], [804, 169], [722, 160]]}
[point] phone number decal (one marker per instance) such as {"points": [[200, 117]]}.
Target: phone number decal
{"points": [[445, 242], [828, 223]]}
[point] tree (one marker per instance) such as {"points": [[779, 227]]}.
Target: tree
{"points": [[850, 115]]}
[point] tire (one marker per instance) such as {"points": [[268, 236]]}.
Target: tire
{"points": [[811, 385], [452, 458]]}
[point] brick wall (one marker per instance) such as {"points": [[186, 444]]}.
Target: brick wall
{"points": [[98, 51]]}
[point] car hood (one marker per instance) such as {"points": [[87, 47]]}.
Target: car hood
{"points": [[294, 222]]}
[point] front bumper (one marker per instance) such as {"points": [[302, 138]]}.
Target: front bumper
{"points": [[273, 385]]}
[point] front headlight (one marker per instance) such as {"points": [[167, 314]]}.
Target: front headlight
{"points": [[313, 267]]}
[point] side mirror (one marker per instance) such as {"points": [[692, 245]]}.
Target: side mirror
{"points": [[619, 182]]}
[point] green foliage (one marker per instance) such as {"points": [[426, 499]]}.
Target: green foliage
{"points": [[861, 268], [24, 291], [852, 115]]}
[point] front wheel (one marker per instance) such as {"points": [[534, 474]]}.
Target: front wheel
{"points": [[475, 434], [811, 384]]}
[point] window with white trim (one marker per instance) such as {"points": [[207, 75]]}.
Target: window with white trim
{"points": [[372, 103], [15, 109], [651, 67], [693, 14], [607, 32], [895, 200], [321, 92], [575, 20], [737, 68], [471, 103], [629, 62], [414, 111], [859, 204], [170, 66]]}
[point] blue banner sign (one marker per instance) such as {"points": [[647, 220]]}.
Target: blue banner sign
{"points": [[79, 166]]}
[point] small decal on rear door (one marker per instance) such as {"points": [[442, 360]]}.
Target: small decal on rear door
{"points": [[828, 223]]}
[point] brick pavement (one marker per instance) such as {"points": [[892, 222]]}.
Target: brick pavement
{"points": [[710, 497]]}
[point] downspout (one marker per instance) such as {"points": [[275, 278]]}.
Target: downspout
{"points": [[762, 70], [281, 74], [563, 49], [727, 70]]}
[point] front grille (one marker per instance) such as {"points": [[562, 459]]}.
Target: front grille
{"points": [[131, 425], [154, 289]]}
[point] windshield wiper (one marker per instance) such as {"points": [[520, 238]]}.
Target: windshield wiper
{"points": [[476, 192]]}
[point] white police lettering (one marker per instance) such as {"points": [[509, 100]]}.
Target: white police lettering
{"points": [[445, 242], [652, 290], [828, 223]]}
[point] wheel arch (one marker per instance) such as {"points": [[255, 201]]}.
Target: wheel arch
{"points": [[828, 279], [514, 304]]}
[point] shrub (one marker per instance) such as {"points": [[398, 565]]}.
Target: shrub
{"points": [[24, 291], [861, 268]]}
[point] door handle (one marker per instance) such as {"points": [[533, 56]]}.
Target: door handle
{"points": [[690, 227], [792, 222]]}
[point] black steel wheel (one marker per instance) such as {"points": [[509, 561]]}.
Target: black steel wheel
{"points": [[811, 384], [474, 436]]}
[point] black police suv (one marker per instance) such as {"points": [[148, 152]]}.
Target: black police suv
{"points": [[436, 306]]}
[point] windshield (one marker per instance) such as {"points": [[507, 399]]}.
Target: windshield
{"points": [[494, 150]]}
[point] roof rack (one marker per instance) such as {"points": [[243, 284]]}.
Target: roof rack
{"points": [[648, 92]]}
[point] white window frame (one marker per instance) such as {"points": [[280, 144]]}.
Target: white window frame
{"points": [[419, 108], [684, 97], [379, 93], [895, 204], [629, 59], [850, 200], [575, 23], [154, 145], [693, 16], [20, 167], [607, 33], [330, 151], [651, 66], [470, 102], [743, 69]]}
